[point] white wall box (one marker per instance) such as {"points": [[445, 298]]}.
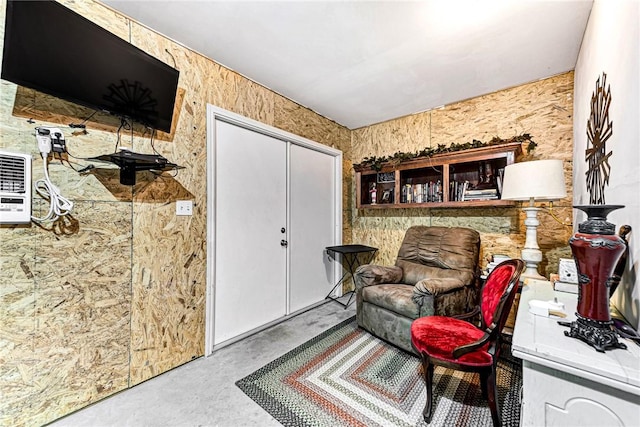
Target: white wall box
{"points": [[15, 188]]}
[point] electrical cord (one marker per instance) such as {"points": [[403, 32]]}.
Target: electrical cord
{"points": [[549, 210], [58, 204], [64, 161], [153, 133], [123, 125], [82, 124]]}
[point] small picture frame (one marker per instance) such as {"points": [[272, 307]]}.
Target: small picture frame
{"points": [[387, 196], [383, 177]]}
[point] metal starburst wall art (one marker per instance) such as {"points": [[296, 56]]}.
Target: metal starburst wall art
{"points": [[599, 130]]}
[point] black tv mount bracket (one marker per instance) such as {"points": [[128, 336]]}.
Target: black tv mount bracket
{"points": [[130, 163]]}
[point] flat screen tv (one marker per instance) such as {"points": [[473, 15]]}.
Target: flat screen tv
{"points": [[50, 48]]}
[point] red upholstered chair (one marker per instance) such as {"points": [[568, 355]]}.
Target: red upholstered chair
{"points": [[455, 343]]}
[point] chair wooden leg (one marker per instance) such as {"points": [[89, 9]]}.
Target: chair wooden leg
{"points": [[492, 392], [484, 380], [428, 381]]}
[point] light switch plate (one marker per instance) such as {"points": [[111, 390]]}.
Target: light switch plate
{"points": [[184, 207]]}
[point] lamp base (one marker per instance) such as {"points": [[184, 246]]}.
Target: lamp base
{"points": [[597, 334], [531, 253], [531, 273]]}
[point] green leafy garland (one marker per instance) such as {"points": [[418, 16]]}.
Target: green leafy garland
{"points": [[376, 163]]}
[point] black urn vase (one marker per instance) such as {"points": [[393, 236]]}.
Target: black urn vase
{"points": [[596, 250]]}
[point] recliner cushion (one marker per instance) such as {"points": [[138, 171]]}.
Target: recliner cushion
{"points": [[438, 250], [412, 273], [393, 297]]}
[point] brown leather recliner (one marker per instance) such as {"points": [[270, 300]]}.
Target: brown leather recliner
{"points": [[436, 272]]}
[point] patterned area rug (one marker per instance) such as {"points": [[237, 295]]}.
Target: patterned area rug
{"points": [[347, 377]]}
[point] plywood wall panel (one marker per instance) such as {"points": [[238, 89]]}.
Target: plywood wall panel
{"points": [[294, 118], [17, 320], [169, 289], [235, 93], [65, 332], [222, 86], [542, 109], [406, 134], [254, 101], [12, 129], [17, 283], [169, 258], [162, 313], [78, 338]]}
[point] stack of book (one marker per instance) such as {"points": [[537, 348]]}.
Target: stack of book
{"points": [[567, 278], [485, 194], [562, 286], [569, 287], [496, 259]]}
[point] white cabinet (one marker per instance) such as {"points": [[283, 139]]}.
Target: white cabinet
{"points": [[275, 204], [566, 382]]}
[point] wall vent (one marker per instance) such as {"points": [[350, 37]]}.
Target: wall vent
{"points": [[15, 188]]}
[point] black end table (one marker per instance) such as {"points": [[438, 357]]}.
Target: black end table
{"points": [[349, 255]]}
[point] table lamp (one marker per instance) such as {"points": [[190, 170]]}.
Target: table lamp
{"points": [[537, 180]]}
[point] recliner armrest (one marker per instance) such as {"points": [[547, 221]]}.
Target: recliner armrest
{"points": [[371, 274], [425, 291], [435, 286]]}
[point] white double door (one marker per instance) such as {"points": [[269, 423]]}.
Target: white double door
{"points": [[275, 213]]}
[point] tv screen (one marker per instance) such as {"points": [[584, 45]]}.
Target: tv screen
{"points": [[50, 48]]}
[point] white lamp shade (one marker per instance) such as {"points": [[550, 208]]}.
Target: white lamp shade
{"points": [[537, 179]]}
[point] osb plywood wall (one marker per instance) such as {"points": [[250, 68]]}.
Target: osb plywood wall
{"points": [[116, 294], [543, 109]]}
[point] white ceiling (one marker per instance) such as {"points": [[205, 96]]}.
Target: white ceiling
{"points": [[364, 62]]}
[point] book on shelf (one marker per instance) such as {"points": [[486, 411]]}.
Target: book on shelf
{"points": [[483, 194], [499, 179], [463, 190], [472, 198], [428, 192], [457, 190]]}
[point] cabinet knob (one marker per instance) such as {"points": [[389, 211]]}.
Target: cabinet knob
{"points": [[283, 230], [284, 243]]}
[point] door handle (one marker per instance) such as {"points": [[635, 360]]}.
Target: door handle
{"points": [[284, 243]]}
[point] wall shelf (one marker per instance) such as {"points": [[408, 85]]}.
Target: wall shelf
{"points": [[464, 179]]}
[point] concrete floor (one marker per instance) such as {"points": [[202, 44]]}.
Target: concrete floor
{"points": [[203, 392]]}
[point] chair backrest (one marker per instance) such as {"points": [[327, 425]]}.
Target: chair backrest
{"points": [[498, 293], [439, 252]]}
